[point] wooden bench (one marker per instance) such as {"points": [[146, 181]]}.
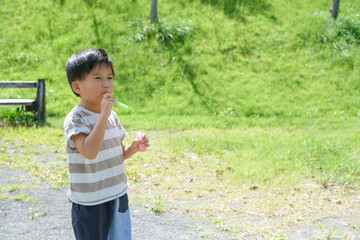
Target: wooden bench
{"points": [[37, 104]]}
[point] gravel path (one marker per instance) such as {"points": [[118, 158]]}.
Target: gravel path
{"points": [[45, 214], [51, 216]]}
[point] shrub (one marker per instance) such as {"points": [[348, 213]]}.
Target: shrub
{"points": [[341, 37], [17, 117], [174, 32]]}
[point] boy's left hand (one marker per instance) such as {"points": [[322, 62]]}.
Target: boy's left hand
{"points": [[136, 143]]}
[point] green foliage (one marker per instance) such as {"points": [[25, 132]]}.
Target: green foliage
{"points": [[241, 9], [341, 37], [347, 29], [165, 32], [17, 117], [20, 197], [158, 207], [34, 213], [198, 62]]}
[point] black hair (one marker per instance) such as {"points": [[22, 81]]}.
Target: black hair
{"points": [[82, 62]]}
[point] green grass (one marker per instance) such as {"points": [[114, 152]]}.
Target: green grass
{"points": [[16, 116], [158, 207], [274, 170], [276, 62], [34, 213], [21, 185], [20, 197], [19, 148], [326, 152]]}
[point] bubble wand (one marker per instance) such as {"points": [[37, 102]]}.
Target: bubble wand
{"points": [[124, 106], [121, 104]]}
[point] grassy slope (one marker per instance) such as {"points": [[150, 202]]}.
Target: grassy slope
{"points": [[265, 64], [262, 68]]}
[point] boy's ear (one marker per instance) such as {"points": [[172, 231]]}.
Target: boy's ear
{"points": [[76, 87]]}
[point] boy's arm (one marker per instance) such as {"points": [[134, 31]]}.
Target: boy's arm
{"points": [[129, 150], [134, 147], [89, 145]]}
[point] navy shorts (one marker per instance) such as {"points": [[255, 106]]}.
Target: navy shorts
{"points": [[95, 222]]}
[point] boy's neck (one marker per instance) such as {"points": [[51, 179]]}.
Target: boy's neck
{"points": [[92, 108]]}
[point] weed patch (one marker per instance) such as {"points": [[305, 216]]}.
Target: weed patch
{"points": [[340, 38], [167, 33], [17, 117]]}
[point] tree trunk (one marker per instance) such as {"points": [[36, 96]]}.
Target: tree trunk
{"points": [[153, 11], [335, 9]]}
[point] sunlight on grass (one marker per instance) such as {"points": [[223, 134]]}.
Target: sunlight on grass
{"points": [[264, 170], [41, 156], [255, 156], [270, 60]]}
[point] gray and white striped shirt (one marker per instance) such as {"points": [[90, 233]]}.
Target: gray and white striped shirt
{"points": [[95, 181]]}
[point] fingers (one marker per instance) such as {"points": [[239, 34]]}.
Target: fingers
{"points": [[106, 104], [145, 141], [108, 95], [109, 98]]}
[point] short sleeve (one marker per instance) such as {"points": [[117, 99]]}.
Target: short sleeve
{"points": [[73, 125]]}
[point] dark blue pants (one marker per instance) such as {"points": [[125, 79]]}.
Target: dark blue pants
{"points": [[93, 222]]}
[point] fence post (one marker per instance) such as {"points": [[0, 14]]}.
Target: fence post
{"points": [[40, 100]]}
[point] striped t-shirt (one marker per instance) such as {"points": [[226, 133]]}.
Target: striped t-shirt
{"points": [[95, 181]]}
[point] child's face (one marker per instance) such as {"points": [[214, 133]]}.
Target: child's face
{"points": [[95, 84]]}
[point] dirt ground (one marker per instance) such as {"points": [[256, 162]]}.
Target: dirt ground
{"points": [[45, 214], [51, 216]]}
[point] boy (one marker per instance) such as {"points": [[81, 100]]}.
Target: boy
{"points": [[93, 136]]}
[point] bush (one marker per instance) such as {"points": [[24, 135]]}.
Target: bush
{"points": [[341, 37], [17, 117], [175, 32], [345, 30]]}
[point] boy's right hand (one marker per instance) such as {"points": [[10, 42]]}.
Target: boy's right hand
{"points": [[106, 105]]}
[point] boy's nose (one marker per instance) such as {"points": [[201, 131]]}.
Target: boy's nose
{"points": [[106, 84]]}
